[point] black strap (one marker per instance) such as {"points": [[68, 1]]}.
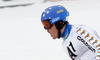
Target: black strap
{"points": [[59, 26], [59, 34]]}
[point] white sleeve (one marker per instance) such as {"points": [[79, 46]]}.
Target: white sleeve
{"points": [[97, 57], [96, 44], [92, 37]]}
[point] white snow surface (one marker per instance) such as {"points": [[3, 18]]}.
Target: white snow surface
{"points": [[22, 36]]}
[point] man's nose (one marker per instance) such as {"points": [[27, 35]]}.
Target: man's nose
{"points": [[47, 30]]}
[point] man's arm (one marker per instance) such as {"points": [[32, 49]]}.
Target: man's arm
{"points": [[93, 39]]}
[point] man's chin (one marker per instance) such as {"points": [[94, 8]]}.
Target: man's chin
{"points": [[54, 38]]}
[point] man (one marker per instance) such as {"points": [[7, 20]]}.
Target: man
{"points": [[79, 41]]}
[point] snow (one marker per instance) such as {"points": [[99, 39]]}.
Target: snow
{"points": [[22, 36], [4, 3]]}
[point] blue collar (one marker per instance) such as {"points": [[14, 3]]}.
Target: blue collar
{"points": [[66, 31]]}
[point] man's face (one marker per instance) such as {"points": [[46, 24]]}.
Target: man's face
{"points": [[53, 31]]}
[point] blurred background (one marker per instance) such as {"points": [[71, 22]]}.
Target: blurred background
{"points": [[22, 36]]}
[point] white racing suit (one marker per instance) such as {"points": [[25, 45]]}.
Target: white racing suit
{"points": [[81, 42]]}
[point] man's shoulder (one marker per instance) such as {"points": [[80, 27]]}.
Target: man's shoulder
{"points": [[82, 29], [78, 25], [81, 26]]}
